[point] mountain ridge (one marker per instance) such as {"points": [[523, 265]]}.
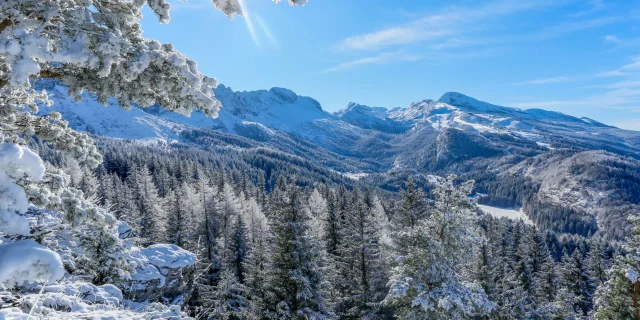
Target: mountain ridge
{"points": [[499, 147]]}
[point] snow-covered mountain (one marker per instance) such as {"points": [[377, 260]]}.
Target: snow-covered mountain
{"points": [[278, 109], [454, 134]]}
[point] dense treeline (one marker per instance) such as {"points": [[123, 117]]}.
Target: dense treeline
{"points": [[269, 246]]}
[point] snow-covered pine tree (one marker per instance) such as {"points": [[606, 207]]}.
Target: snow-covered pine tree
{"points": [[512, 300], [103, 255], [597, 264], [545, 279], [179, 206], [150, 217], [89, 184], [523, 266], [227, 205], [361, 268], [333, 229], [412, 207], [296, 281], [120, 199], [235, 258], [106, 190], [261, 191], [229, 299], [619, 296], [318, 212], [577, 282], [430, 280], [486, 270], [257, 261], [255, 220]]}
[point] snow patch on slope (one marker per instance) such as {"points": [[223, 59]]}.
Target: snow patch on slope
{"points": [[513, 214]]}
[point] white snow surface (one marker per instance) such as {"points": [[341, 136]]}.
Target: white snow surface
{"points": [[154, 262], [355, 175], [82, 300], [168, 256], [282, 109], [510, 213], [16, 162], [26, 261]]}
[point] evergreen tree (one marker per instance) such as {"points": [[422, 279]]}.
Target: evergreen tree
{"points": [[619, 297], [577, 283], [103, 257], [430, 280], [237, 250], [296, 282], [89, 184], [229, 299], [150, 218], [361, 265], [597, 264], [412, 207], [547, 281], [257, 266], [180, 207]]}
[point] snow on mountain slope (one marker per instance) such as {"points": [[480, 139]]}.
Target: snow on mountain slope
{"points": [[357, 131], [581, 180], [376, 118], [284, 110], [276, 108], [89, 115]]}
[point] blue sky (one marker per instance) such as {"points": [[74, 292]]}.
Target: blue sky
{"points": [[577, 57]]}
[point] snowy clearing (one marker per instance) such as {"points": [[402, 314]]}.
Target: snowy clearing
{"points": [[513, 214]]}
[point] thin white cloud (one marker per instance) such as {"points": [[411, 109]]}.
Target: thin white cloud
{"points": [[618, 85], [629, 124], [574, 26], [612, 73], [620, 98], [544, 80], [625, 70], [448, 22], [382, 58], [621, 42], [391, 37], [452, 43], [611, 38], [594, 6]]}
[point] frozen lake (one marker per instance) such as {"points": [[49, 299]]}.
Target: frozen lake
{"points": [[513, 214]]}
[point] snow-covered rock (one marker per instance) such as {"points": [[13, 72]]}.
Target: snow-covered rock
{"points": [[161, 270], [81, 300], [27, 262]]}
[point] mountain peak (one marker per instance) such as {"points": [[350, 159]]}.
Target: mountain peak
{"points": [[360, 110], [285, 94], [463, 101]]}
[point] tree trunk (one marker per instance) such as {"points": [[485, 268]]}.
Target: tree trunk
{"points": [[636, 288]]}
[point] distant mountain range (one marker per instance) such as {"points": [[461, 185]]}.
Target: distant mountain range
{"points": [[555, 165]]}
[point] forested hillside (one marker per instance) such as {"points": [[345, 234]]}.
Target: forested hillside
{"points": [[228, 210]]}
